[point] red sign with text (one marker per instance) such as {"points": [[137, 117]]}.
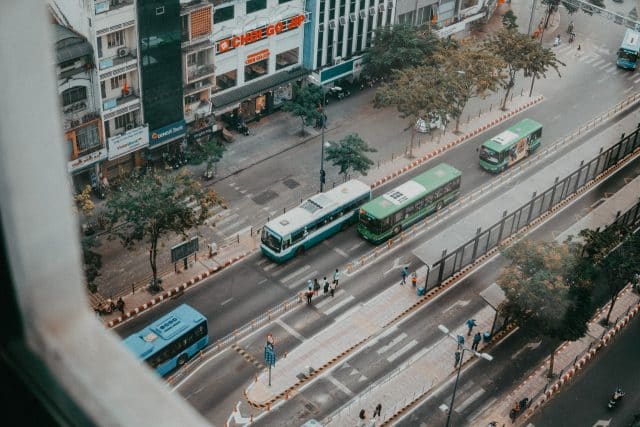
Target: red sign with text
{"points": [[258, 34]]}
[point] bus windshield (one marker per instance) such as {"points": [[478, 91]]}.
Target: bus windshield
{"points": [[488, 155], [271, 240], [627, 55]]}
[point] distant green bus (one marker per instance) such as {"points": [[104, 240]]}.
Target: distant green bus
{"points": [[394, 211], [510, 146]]}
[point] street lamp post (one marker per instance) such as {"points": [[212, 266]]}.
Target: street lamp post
{"points": [[322, 122], [464, 348]]}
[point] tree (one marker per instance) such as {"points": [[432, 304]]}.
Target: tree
{"points": [[614, 253], [509, 20], [521, 53], [397, 47], [306, 103], [473, 72], [153, 205], [92, 260], [418, 92], [541, 295], [552, 6], [210, 152], [350, 154]]}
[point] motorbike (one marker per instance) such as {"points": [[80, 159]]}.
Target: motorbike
{"points": [[572, 36], [242, 128], [615, 398], [570, 28]]}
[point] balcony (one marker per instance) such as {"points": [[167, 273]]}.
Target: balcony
{"points": [[199, 72], [115, 106], [76, 119], [105, 6], [126, 60], [197, 110], [199, 86]]}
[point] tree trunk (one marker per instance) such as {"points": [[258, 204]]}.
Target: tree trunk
{"points": [[614, 298], [413, 134], [302, 127], [506, 95], [457, 125], [153, 254], [551, 360]]}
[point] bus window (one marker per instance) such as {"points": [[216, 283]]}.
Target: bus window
{"points": [[271, 240]]}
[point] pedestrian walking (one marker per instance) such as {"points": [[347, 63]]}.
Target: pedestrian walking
{"points": [[470, 324], [336, 277], [378, 410], [309, 295], [476, 341], [457, 359], [120, 305], [414, 279], [326, 287], [404, 273], [316, 286], [332, 289]]}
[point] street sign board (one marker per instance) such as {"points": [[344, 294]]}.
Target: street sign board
{"points": [[184, 249]]}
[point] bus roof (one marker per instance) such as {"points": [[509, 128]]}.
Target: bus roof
{"points": [[504, 140], [317, 206], [631, 41], [407, 193], [161, 332]]}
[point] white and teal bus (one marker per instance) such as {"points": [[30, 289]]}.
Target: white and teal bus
{"points": [[629, 50], [314, 220]]}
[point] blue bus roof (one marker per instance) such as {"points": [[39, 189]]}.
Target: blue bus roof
{"points": [[163, 331], [631, 41]]}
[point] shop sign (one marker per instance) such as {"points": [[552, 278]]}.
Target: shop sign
{"points": [[86, 160], [258, 34], [257, 57], [201, 133], [127, 142], [167, 133]]}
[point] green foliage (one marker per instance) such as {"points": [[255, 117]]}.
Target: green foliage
{"points": [[210, 152], [350, 154], [553, 5], [521, 53], [397, 47], [306, 103], [509, 20], [156, 204], [92, 261]]}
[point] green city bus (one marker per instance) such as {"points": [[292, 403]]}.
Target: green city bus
{"points": [[510, 146], [394, 211]]}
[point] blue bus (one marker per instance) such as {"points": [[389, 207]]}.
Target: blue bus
{"points": [[171, 340], [629, 48], [316, 219]]}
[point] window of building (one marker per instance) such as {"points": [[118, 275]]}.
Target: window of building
{"points": [[197, 59], [122, 121], [73, 95], [87, 139], [226, 80], [118, 81], [283, 1], [256, 5], [255, 70], [201, 22], [184, 28], [115, 39], [287, 58], [223, 14]]}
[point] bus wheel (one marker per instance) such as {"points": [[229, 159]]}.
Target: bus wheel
{"points": [[300, 250], [397, 229], [182, 360]]}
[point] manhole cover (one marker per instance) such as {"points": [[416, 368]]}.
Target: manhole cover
{"points": [[291, 183], [265, 196]]}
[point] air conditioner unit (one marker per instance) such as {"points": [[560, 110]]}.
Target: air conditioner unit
{"points": [[381, 7], [342, 20], [332, 24], [337, 60], [363, 14], [372, 10], [352, 17], [129, 126], [198, 84], [123, 51]]}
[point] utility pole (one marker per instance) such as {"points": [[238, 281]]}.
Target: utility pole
{"points": [[324, 124]]}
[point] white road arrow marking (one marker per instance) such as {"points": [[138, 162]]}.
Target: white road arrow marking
{"points": [[461, 303], [532, 346], [237, 417], [602, 423]]}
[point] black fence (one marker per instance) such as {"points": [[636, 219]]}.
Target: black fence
{"points": [[514, 222]]}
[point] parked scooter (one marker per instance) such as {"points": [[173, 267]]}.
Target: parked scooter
{"points": [[615, 398], [242, 127]]}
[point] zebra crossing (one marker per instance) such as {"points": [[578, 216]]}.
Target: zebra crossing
{"points": [[599, 58]]}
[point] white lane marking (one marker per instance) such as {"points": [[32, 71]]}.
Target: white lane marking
{"points": [[588, 59], [629, 89], [356, 246], [395, 266], [482, 409], [461, 303], [262, 262], [636, 80], [603, 66], [340, 252], [598, 62], [226, 301], [270, 266], [262, 281], [341, 386], [603, 79], [612, 68], [232, 228], [602, 423], [393, 342], [468, 401], [339, 305], [402, 351], [228, 218], [303, 281], [327, 299], [290, 330], [632, 76], [348, 313], [531, 345], [295, 273], [248, 196]]}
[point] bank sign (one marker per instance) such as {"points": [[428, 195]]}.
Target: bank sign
{"points": [[258, 34], [172, 131]]}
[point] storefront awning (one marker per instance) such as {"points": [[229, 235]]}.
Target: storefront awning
{"points": [[256, 88]]}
